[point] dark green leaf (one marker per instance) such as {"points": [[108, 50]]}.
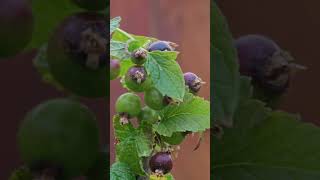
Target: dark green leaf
{"points": [[225, 74]]}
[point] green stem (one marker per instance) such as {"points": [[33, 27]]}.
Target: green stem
{"points": [[125, 33]]}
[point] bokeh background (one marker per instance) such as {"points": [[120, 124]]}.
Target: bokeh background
{"points": [[295, 26], [185, 22]]}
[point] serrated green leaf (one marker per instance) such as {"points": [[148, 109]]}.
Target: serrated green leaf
{"points": [[225, 69], [133, 144], [114, 24], [41, 64], [118, 50], [166, 73], [191, 115], [121, 171], [267, 145], [127, 152], [47, 15]]}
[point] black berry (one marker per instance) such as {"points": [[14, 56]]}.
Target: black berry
{"points": [[193, 82], [265, 62], [137, 79], [161, 163], [75, 52], [160, 46]]}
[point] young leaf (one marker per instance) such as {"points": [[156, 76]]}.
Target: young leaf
{"points": [[267, 145], [191, 115], [114, 24], [166, 74], [225, 69], [121, 171], [118, 50]]}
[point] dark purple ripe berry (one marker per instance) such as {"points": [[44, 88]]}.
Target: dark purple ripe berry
{"points": [[161, 163], [161, 46], [114, 69], [193, 82], [76, 51], [136, 79], [17, 24], [265, 62]]}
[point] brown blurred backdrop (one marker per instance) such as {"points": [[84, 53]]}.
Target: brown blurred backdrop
{"points": [[295, 26], [185, 22]]}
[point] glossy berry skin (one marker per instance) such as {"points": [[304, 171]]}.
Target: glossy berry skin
{"points": [[154, 99], [128, 104], [60, 134], [136, 79], [74, 54], [149, 115], [17, 25], [160, 46], [262, 59], [114, 69], [161, 163], [193, 82], [92, 5]]}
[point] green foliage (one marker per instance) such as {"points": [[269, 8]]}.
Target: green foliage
{"points": [[185, 112], [262, 144]]}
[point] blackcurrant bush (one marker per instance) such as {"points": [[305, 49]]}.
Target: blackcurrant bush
{"points": [[75, 51], [114, 69], [154, 99], [136, 79], [161, 163], [17, 24], [161, 46], [175, 139], [92, 5], [149, 115], [60, 135], [265, 62], [128, 105], [139, 56], [193, 82]]}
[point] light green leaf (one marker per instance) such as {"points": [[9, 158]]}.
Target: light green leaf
{"points": [[121, 171], [114, 24], [191, 115], [166, 74], [118, 50]]}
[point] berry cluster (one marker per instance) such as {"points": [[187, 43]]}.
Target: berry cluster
{"points": [[129, 106]]}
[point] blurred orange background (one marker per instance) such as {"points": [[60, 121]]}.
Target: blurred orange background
{"points": [[185, 22]]}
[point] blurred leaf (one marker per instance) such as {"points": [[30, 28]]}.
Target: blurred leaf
{"points": [[48, 14], [225, 69], [266, 145]]}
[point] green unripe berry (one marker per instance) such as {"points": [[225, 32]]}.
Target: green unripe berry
{"points": [[149, 115], [154, 99], [128, 104]]}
